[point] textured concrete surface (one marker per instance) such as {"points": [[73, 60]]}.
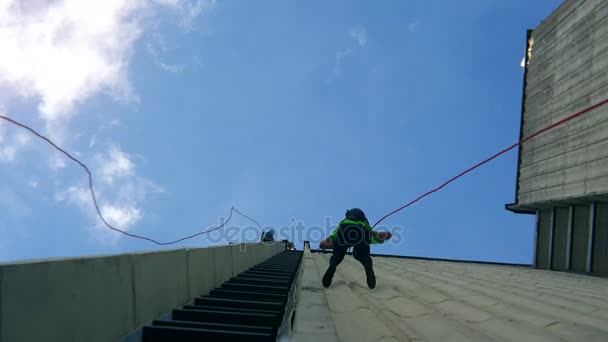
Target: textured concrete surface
{"points": [[543, 238], [242, 255], [223, 264], [560, 239], [579, 251], [201, 271], [160, 280], [567, 167], [268, 249], [107, 297], [257, 253], [573, 238], [600, 240], [85, 299], [428, 300], [313, 321], [567, 72]]}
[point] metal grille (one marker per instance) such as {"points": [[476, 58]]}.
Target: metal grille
{"points": [[248, 307]]}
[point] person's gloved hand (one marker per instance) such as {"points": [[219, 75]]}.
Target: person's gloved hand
{"points": [[384, 236], [327, 243]]}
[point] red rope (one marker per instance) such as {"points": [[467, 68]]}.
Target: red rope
{"points": [[94, 197], [558, 123]]}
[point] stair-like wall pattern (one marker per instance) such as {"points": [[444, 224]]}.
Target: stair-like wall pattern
{"points": [[249, 307], [105, 298]]}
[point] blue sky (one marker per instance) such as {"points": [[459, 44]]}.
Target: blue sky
{"points": [[290, 111]]}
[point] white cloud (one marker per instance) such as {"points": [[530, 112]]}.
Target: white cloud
{"points": [[189, 10], [12, 204], [115, 164], [172, 68], [340, 55], [5, 153], [2, 130], [33, 184], [172, 3], [103, 127], [11, 145], [156, 48], [8, 153], [120, 194], [60, 53], [63, 52], [57, 161], [337, 70], [76, 195], [359, 35], [117, 216], [22, 138], [93, 141]]}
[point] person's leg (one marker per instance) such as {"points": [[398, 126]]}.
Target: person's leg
{"points": [[339, 251], [361, 252]]}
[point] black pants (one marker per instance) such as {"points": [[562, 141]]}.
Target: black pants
{"points": [[360, 253], [352, 236]]}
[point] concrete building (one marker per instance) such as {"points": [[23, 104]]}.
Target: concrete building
{"points": [[239, 292], [105, 298], [432, 300], [562, 174], [265, 293]]}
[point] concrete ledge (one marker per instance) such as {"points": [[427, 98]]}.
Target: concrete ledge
{"points": [[87, 299], [271, 248], [201, 271], [161, 283], [257, 253], [313, 320], [222, 263], [108, 297], [252, 262], [241, 258]]}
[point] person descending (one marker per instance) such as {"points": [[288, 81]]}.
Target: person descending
{"points": [[267, 236], [354, 231]]}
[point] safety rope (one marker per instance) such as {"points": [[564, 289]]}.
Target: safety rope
{"points": [[232, 209], [485, 161]]}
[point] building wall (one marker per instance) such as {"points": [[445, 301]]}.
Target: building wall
{"points": [[430, 300], [543, 238], [580, 230], [600, 239], [573, 238], [567, 71], [560, 239], [105, 298]]}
